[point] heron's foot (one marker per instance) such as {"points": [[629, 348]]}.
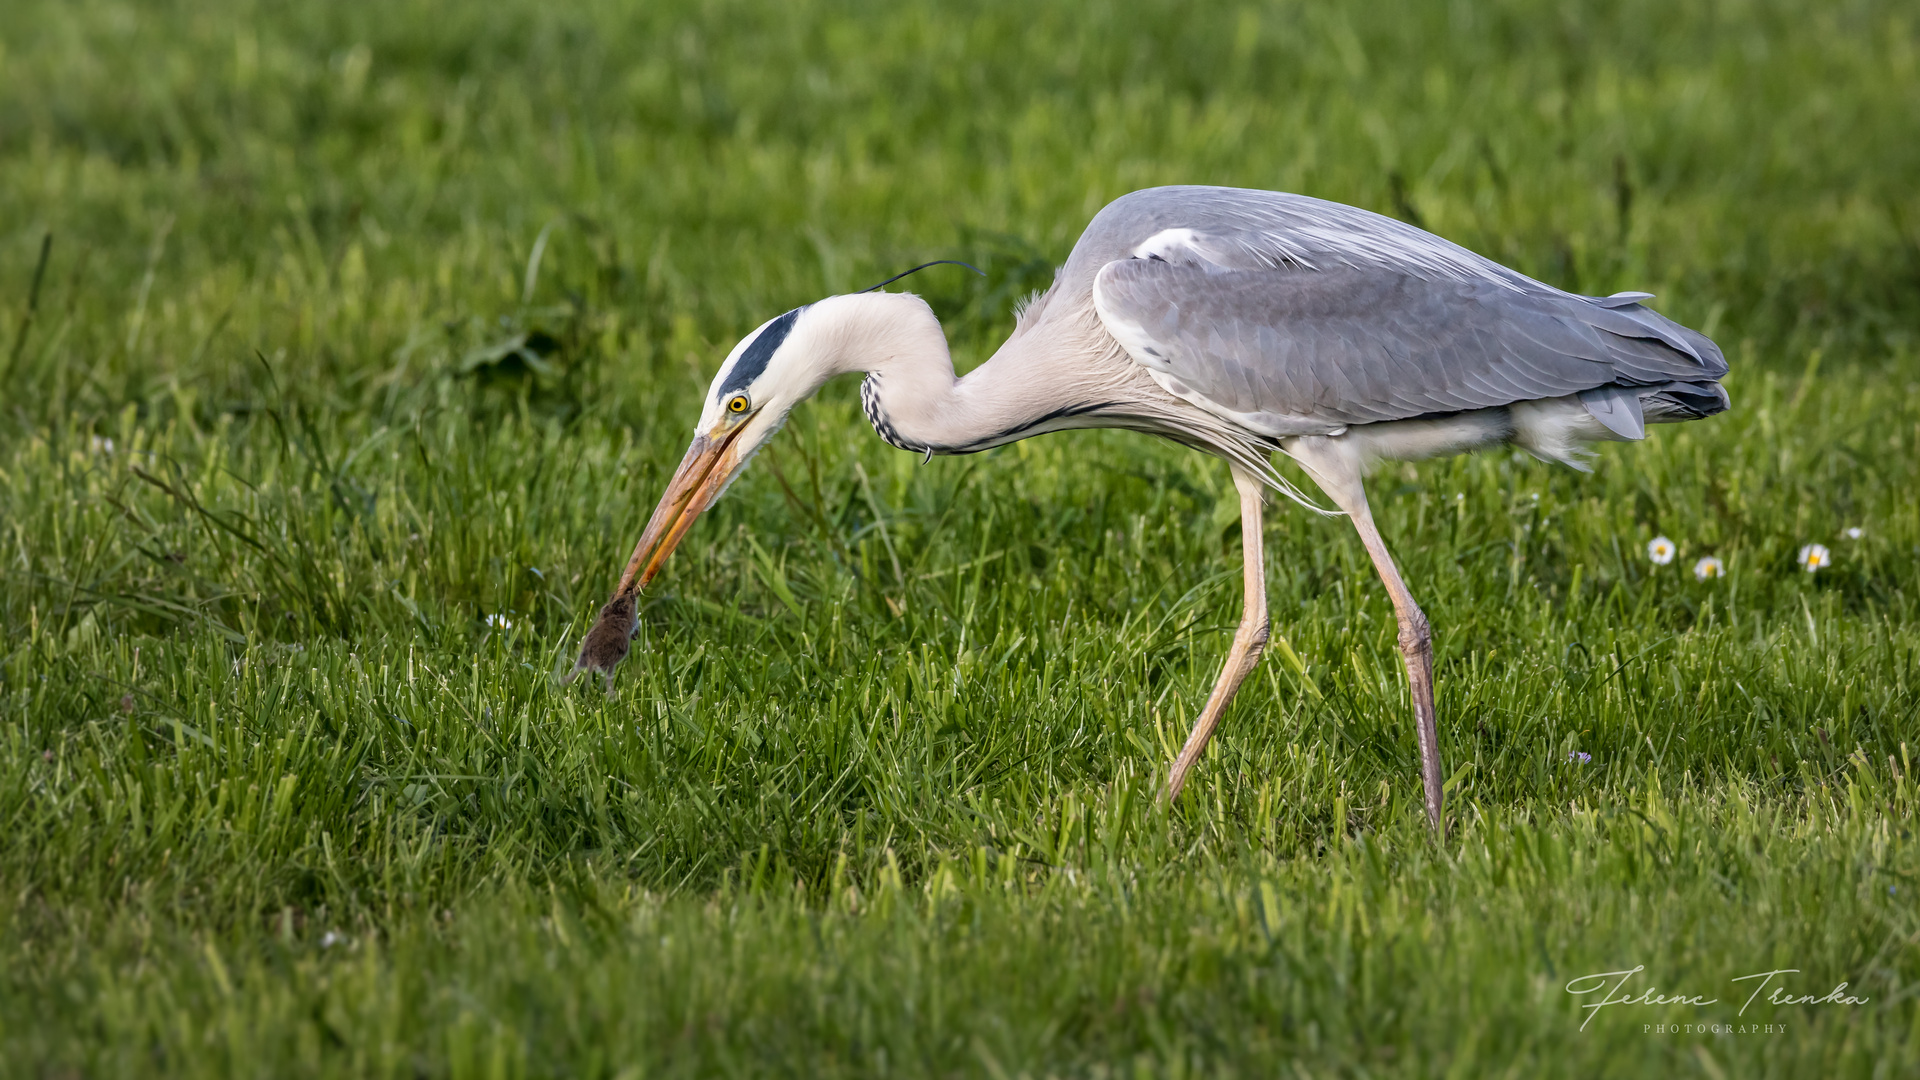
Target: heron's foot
{"points": [[607, 643]]}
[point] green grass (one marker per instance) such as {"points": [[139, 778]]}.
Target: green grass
{"points": [[360, 324]]}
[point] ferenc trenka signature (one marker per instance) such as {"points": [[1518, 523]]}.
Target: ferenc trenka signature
{"points": [[1614, 993]]}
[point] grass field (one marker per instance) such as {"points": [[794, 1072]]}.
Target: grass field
{"points": [[344, 349]]}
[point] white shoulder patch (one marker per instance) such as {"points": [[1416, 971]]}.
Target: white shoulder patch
{"points": [[1181, 246], [1623, 299]]}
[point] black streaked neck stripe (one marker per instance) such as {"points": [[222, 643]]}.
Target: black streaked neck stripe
{"points": [[883, 425], [877, 416]]}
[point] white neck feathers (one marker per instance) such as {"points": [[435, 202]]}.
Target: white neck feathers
{"points": [[915, 401]]}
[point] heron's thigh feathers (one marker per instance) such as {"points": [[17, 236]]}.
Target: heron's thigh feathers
{"points": [[1559, 429], [1416, 440]]}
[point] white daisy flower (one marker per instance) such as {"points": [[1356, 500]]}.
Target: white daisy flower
{"points": [[499, 622], [1815, 557], [100, 445], [1661, 550], [1709, 567], [1855, 532]]}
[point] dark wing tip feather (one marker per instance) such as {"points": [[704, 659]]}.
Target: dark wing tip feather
{"points": [[1633, 321]]}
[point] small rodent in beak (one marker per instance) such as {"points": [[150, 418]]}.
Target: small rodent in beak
{"points": [[607, 643]]}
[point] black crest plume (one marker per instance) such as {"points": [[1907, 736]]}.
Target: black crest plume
{"points": [[923, 266]]}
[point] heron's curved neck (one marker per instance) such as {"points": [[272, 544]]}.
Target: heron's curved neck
{"points": [[911, 394]]}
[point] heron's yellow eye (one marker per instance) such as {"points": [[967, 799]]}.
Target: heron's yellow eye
{"points": [[738, 404]]}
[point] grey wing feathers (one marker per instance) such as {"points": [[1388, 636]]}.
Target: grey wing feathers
{"points": [[1324, 316]]}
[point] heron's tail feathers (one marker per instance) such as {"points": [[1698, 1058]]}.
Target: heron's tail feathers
{"points": [[1678, 401]]}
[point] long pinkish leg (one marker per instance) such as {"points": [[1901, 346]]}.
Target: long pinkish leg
{"points": [[1333, 467], [1248, 642]]}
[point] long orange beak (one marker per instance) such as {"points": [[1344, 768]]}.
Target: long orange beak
{"points": [[710, 462], [708, 466]]}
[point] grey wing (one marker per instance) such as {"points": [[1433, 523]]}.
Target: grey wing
{"points": [[1285, 347]]}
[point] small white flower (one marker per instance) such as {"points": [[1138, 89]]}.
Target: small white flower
{"points": [[329, 939], [1855, 532], [1661, 550], [1815, 557], [1709, 567], [1459, 496], [499, 622], [99, 445]]}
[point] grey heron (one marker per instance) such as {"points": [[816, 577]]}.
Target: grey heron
{"points": [[1239, 323]]}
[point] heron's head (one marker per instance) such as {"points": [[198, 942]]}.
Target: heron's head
{"points": [[773, 369]]}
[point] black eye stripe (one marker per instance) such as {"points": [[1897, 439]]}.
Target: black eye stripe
{"points": [[753, 361]]}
